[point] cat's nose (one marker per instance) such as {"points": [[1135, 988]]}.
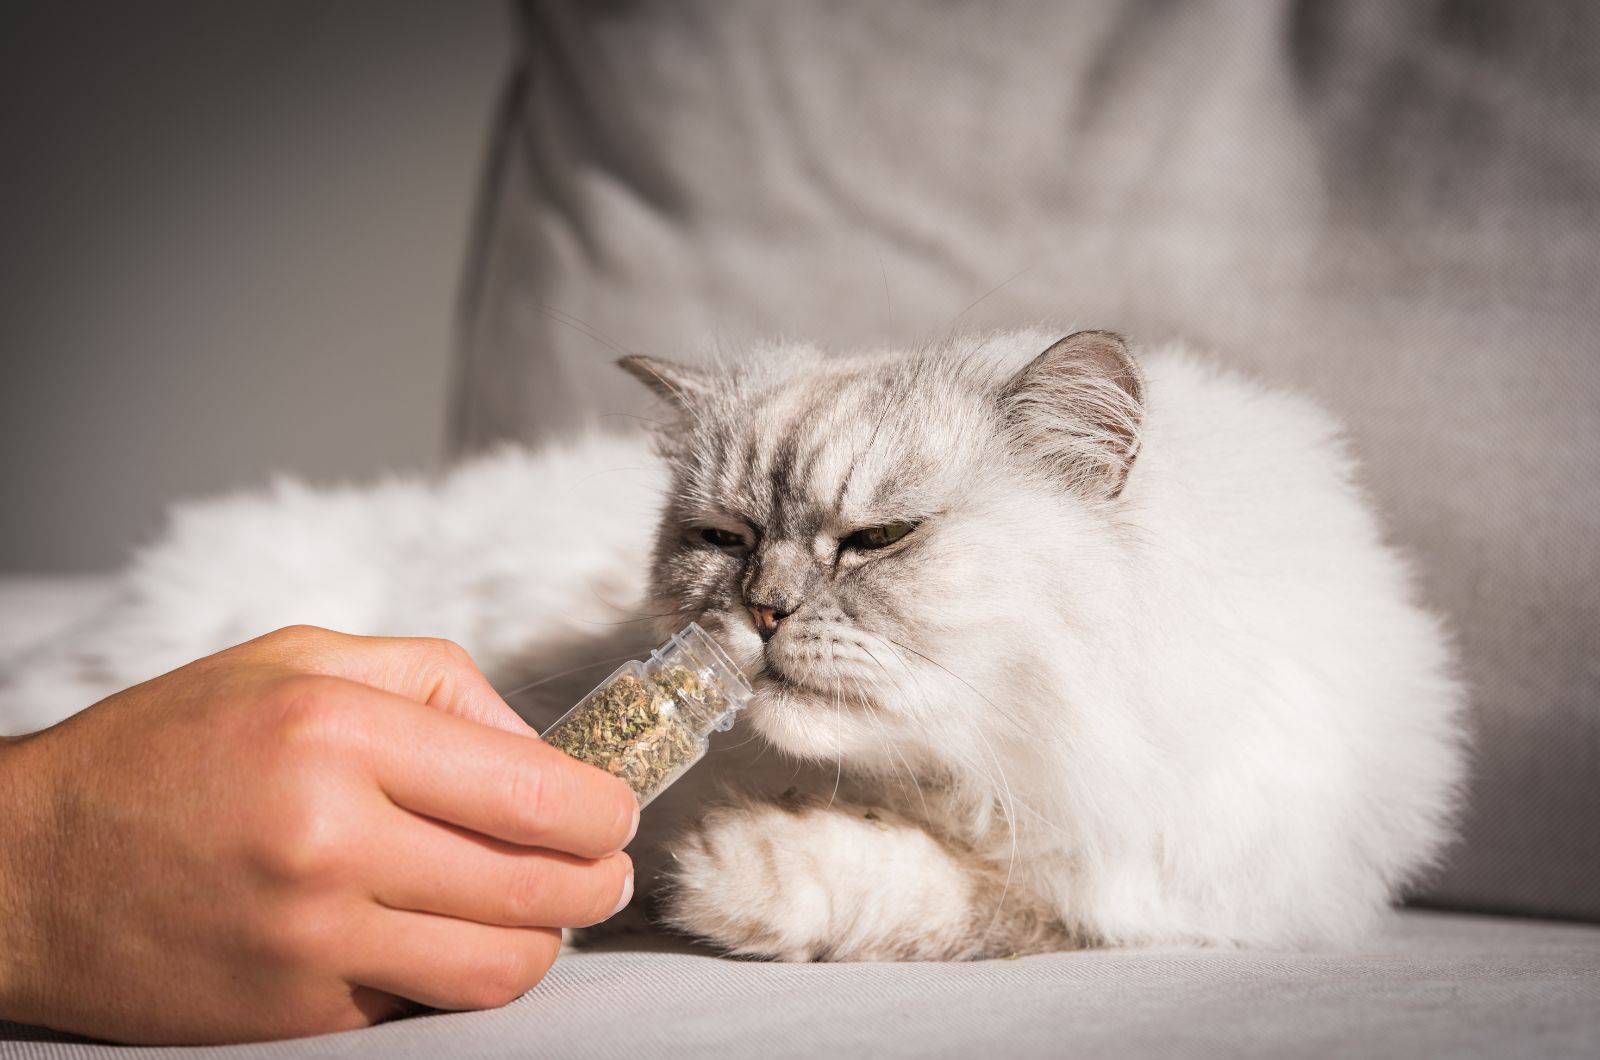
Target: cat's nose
{"points": [[767, 619]]}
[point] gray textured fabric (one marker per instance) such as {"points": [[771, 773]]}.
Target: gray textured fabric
{"points": [[1435, 985], [1391, 205]]}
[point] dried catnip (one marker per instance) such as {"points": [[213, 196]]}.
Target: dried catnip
{"points": [[651, 720]]}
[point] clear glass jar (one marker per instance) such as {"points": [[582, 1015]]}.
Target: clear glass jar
{"points": [[652, 719]]}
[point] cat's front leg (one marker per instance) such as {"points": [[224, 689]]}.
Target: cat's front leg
{"points": [[809, 882]]}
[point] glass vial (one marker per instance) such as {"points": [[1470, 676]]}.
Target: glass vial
{"points": [[652, 719]]}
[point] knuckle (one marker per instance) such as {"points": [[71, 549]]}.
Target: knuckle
{"points": [[307, 842], [441, 665], [533, 801], [299, 833], [312, 712], [447, 651], [299, 640], [298, 631], [526, 894]]}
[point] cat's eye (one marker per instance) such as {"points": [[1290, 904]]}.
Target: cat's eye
{"points": [[722, 538], [872, 537]]}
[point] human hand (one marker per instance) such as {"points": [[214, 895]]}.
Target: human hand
{"points": [[295, 836]]}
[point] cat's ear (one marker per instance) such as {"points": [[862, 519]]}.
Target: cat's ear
{"points": [[677, 383], [1079, 406]]}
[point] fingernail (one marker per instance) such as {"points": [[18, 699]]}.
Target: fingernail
{"points": [[633, 830], [627, 895]]}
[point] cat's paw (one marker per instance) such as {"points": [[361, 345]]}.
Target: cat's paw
{"points": [[806, 883], [750, 879]]}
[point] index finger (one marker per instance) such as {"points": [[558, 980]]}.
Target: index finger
{"points": [[507, 786], [437, 672]]}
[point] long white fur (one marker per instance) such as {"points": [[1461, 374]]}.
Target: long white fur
{"points": [[1243, 730], [1209, 710], [525, 558]]}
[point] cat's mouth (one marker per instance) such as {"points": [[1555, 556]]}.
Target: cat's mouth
{"points": [[772, 676], [811, 720]]}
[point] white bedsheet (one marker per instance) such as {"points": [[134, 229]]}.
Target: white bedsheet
{"points": [[35, 608]]}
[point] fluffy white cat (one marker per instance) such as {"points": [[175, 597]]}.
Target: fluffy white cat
{"points": [[1060, 648]]}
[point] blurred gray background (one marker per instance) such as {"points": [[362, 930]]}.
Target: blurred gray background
{"points": [[241, 222], [232, 236]]}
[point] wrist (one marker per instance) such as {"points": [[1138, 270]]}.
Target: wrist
{"points": [[24, 806]]}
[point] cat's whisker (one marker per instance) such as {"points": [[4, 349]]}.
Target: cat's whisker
{"points": [[909, 773], [632, 416], [866, 448], [997, 713], [1007, 811], [882, 731], [752, 738], [976, 302], [1011, 827], [838, 723], [892, 746], [884, 739], [589, 331], [565, 673], [637, 618], [766, 746], [1009, 804], [610, 471], [921, 689], [1007, 800], [582, 327]]}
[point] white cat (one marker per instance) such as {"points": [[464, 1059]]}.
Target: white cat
{"points": [[1078, 652]]}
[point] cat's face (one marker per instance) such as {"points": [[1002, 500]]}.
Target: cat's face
{"points": [[875, 541]]}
